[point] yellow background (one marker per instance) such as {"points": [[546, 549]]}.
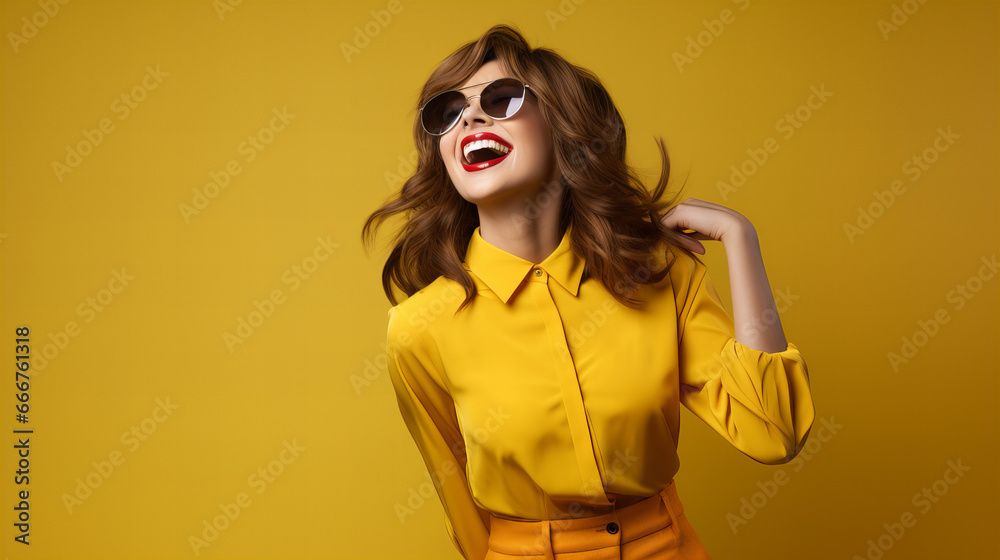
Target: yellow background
{"points": [[293, 383]]}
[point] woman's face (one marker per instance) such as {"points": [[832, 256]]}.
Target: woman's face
{"points": [[529, 164]]}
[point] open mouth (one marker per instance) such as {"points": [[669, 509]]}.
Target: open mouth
{"points": [[483, 150]]}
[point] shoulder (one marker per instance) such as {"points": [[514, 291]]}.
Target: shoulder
{"points": [[415, 328], [434, 304], [685, 268], [686, 272]]}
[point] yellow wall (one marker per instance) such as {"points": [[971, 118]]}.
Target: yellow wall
{"points": [[224, 160]]}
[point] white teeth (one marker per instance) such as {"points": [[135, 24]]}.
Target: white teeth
{"points": [[480, 144]]}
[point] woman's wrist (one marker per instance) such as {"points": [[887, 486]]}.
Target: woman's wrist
{"points": [[740, 237]]}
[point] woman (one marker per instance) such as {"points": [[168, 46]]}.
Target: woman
{"points": [[556, 318]]}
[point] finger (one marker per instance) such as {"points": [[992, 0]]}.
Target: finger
{"points": [[694, 246], [686, 220], [695, 215], [693, 234], [679, 224]]}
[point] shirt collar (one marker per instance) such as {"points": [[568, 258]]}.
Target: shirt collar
{"points": [[503, 272]]}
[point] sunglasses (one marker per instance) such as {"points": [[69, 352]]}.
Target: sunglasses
{"points": [[501, 99]]}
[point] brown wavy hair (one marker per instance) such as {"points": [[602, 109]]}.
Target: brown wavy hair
{"points": [[616, 220]]}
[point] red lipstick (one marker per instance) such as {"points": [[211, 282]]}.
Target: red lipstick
{"points": [[483, 136]]}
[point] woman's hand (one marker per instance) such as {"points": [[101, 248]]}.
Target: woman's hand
{"points": [[754, 311], [706, 220]]}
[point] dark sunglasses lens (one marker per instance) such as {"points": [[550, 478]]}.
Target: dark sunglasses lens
{"points": [[442, 111], [502, 98]]}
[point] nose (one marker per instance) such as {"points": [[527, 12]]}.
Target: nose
{"points": [[473, 113]]}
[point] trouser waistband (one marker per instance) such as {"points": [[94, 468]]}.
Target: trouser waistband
{"points": [[568, 535]]}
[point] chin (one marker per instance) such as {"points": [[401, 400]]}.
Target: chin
{"points": [[504, 182], [479, 193]]}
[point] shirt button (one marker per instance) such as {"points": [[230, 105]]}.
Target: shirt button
{"points": [[612, 527], [538, 272]]}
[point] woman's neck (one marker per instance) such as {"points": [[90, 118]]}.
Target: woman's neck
{"points": [[530, 230]]}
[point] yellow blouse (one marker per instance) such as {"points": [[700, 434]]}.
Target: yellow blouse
{"points": [[546, 398]]}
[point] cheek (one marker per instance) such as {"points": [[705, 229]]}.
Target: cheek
{"points": [[446, 151], [447, 145], [443, 150], [541, 155], [541, 141]]}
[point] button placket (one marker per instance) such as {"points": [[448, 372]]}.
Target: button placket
{"points": [[569, 382]]}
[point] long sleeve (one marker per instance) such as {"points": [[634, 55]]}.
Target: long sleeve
{"points": [[760, 402], [429, 413]]}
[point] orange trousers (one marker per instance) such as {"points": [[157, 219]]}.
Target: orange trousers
{"points": [[655, 527]]}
